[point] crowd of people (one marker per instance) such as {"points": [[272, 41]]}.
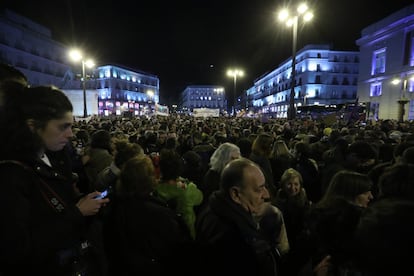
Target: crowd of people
{"points": [[176, 194]]}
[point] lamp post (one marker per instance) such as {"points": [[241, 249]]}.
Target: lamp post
{"points": [[76, 55], [234, 73], [219, 100], [292, 21], [150, 94], [403, 99]]}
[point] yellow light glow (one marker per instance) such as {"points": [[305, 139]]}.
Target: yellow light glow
{"points": [[235, 73], [302, 8], [283, 15], [75, 55], [89, 63], [308, 16], [290, 22], [395, 81]]}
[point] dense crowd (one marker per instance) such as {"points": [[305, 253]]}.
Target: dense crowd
{"points": [[161, 195]]}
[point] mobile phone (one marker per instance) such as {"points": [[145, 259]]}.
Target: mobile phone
{"points": [[102, 195]]}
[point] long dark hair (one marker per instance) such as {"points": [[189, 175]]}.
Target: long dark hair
{"points": [[19, 104]]}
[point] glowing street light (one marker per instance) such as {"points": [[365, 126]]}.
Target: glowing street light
{"points": [[234, 73], [219, 102], [150, 94], [292, 21], [76, 55]]}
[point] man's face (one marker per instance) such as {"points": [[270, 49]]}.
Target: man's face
{"points": [[57, 133], [162, 137], [254, 194]]}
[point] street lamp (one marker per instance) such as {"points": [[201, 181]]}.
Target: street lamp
{"points": [[219, 102], [150, 94], [403, 99], [77, 56], [292, 21], [234, 73]]}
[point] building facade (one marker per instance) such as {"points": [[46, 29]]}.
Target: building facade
{"points": [[323, 77], [29, 47], [386, 81], [203, 96], [121, 90]]}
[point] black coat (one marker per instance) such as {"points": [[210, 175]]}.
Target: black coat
{"points": [[232, 242], [36, 236], [143, 236]]}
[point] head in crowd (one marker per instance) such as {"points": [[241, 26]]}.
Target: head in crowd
{"points": [[223, 155], [245, 145], [408, 156], [280, 149], [384, 238], [262, 145], [399, 150], [171, 165], [162, 137], [362, 156], [125, 151], [193, 167], [397, 182], [10, 74], [352, 186], [291, 182], [137, 177], [171, 143], [302, 150], [33, 120], [101, 139], [243, 182], [83, 137]]}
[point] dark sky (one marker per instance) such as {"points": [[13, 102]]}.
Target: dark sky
{"points": [[190, 42]]}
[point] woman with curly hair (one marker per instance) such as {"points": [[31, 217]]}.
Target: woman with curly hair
{"points": [[46, 223]]}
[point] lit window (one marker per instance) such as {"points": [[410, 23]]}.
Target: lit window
{"points": [[376, 89], [378, 62], [410, 87]]}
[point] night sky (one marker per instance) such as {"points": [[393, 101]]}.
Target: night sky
{"points": [[192, 42]]}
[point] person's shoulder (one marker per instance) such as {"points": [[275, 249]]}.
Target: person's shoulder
{"points": [[193, 193], [14, 166], [16, 175]]}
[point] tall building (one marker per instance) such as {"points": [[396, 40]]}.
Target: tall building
{"points": [[207, 96], [30, 48], [121, 90], [109, 89], [386, 69], [323, 77]]}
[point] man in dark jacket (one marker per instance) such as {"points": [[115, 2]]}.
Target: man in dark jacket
{"points": [[226, 229]]}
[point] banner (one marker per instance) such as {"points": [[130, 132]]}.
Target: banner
{"points": [[206, 112], [161, 110]]}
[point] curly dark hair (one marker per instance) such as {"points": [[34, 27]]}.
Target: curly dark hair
{"points": [[171, 164], [19, 104]]}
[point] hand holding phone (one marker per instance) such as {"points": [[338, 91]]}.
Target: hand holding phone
{"points": [[102, 195]]}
